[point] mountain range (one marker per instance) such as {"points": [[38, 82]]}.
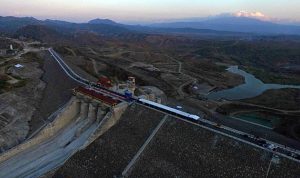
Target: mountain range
{"points": [[218, 25], [234, 24], [13, 24]]}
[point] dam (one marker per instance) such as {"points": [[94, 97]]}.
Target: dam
{"points": [[92, 138]]}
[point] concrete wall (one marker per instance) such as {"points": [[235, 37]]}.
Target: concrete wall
{"points": [[64, 118], [109, 120], [113, 117]]}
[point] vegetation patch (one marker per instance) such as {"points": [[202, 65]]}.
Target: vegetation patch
{"points": [[6, 85], [3, 83], [65, 51], [286, 99], [20, 83], [270, 77], [32, 57], [261, 118]]}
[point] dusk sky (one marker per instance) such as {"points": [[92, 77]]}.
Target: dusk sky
{"points": [[145, 10]]}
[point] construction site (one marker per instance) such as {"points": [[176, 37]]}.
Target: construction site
{"points": [[81, 125]]}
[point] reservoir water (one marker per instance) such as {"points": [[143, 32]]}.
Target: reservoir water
{"points": [[251, 88]]}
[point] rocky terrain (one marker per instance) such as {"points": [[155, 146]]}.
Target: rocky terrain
{"points": [[19, 104], [33, 87]]}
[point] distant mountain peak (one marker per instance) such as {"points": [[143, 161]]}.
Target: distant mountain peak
{"points": [[103, 21]]}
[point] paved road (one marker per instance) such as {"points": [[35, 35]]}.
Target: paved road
{"points": [[268, 108], [256, 130], [68, 71]]}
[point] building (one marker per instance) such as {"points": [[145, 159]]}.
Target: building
{"points": [[2, 52], [105, 82], [11, 52], [131, 84]]}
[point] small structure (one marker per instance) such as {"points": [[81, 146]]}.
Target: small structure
{"points": [[2, 52], [131, 84], [179, 107], [93, 94], [19, 66], [105, 82], [11, 52], [131, 80], [128, 87], [128, 94]]}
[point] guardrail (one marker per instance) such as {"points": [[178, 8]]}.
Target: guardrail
{"points": [[67, 69]]}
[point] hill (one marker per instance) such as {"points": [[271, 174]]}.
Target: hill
{"points": [[15, 25], [12, 24], [103, 21], [39, 32], [216, 26]]}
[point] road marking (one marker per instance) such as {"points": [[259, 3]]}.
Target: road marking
{"points": [[269, 167], [249, 122], [137, 155]]}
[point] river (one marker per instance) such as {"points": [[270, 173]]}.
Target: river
{"points": [[251, 88]]}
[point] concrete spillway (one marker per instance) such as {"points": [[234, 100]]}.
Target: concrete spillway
{"points": [[84, 110], [75, 127], [92, 113]]}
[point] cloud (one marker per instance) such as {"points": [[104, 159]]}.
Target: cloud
{"points": [[256, 15], [262, 16]]}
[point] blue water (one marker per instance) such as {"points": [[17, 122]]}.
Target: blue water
{"points": [[251, 88]]}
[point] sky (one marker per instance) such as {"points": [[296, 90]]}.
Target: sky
{"points": [[145, 10]]}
